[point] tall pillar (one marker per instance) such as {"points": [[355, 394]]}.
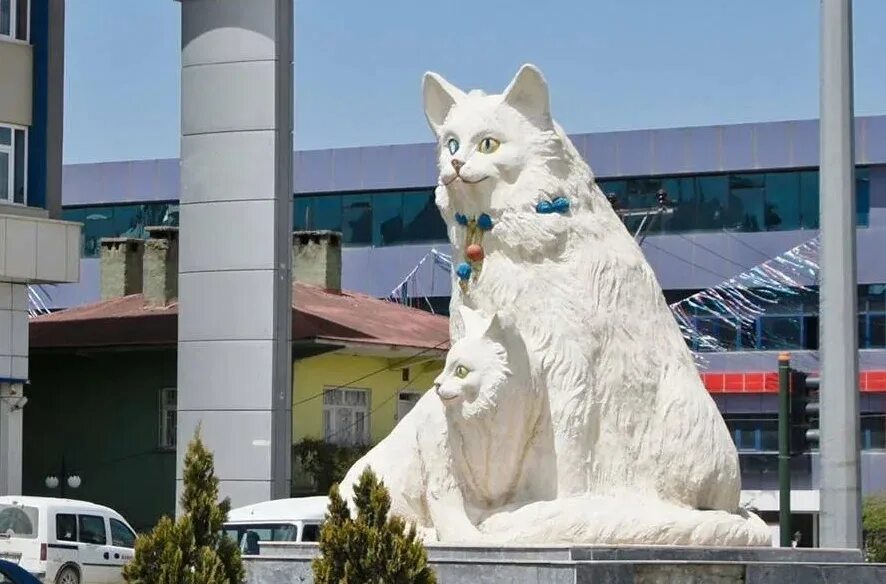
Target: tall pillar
{"points": [[235, 290], [839, 444], [12, 402], [13, 376]]}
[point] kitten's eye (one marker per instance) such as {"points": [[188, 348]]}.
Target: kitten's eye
{"points": [[461, 371], [452, 145], [489, 145]]}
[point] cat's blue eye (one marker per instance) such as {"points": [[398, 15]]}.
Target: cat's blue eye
{"points": [[461, 371], [452, 145]]}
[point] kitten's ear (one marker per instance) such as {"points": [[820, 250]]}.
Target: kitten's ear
{"points": [[528, 94], [475, 322], [439, 97], [495, 329]]}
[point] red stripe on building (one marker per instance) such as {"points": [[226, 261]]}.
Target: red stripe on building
{"points": [[767, 382]]}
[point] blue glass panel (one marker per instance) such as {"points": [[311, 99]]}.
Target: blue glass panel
{"points": [[713, 196], [303, 213], [357, 219], [327, 213], [782, 211], [809, 214], [682, 193], [862, 195], [421, 219], [387, 218], [746, 209], [876, 331], [780, 332]]}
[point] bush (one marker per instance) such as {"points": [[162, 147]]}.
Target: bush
{"points": [[371, 548], [874, 521], [325, 463], [192, 549]]}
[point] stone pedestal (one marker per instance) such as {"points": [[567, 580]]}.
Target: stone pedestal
{"points": [[282, 563]]}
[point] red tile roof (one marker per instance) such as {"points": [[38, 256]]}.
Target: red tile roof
{"points": [[317, 314]]}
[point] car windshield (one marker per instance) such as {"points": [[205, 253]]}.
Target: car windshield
{"points": [[18, 521], [249, 536]]}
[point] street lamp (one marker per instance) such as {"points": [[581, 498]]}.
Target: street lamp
{"points": [[53, 482]]}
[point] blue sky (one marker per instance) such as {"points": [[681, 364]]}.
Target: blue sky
{"points": [[611, 64]]}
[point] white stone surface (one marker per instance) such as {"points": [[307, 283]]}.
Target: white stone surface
{"points": [[584, 419], [35, 250], [13, 331]]}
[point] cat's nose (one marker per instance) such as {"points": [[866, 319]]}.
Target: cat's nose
{"points": [[457, 164]]}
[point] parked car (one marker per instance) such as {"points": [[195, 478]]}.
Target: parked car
{"points": [[63, 541], [294, 520], [13, 574]]}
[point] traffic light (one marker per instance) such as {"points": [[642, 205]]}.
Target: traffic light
{"points": [[804, 412], [662, 196]]}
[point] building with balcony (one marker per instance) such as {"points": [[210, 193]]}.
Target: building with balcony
{"points": [[36, 245]]}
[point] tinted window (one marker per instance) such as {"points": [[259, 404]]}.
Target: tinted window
{"points": [[357, 219], [782, 210], [65, 527], [387, 219], [92, 529], [310, 532], [121, 535], [18, 520]]}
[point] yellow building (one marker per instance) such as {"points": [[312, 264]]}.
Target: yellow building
{"points": [[347, 398]]}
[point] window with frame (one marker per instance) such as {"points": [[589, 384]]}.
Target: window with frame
{"points": [[346, 416], [92, 529], [121, 536], [13, 164], [168, 418], [65, 527], [14, 19]]}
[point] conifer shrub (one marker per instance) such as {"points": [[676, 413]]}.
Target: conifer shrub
{"points": [[192, 549], [370, 548]]}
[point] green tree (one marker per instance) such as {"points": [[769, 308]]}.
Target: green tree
{"points": [[371, 548], [325, 463], [874, 521], [192, 549]]}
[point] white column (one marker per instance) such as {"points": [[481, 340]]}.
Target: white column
{"points": [[839, 444], [235, 291], [11, 404]]}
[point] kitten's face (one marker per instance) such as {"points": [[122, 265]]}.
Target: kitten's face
{"points": [[486, 142], [476, 369]]}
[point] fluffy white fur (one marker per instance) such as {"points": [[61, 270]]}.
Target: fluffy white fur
{"points": [[630, 417], [478, 443]]}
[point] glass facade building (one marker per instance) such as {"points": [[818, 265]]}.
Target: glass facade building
{"points": [[746, 202]]}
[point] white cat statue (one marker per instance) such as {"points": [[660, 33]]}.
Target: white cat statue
{"points": [[481, 441], [535, 238], [641, 453]]}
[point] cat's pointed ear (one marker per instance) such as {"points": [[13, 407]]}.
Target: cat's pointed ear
{"points": [[495, 329], [439, 97], [528, 94], [475, 322]]}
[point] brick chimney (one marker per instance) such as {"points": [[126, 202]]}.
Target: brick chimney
{"points": [[161, 265], [316, 258], [121, 266]]}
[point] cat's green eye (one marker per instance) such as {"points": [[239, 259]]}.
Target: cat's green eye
{"points": [[461, 371], [452, 145], [488, 145]]}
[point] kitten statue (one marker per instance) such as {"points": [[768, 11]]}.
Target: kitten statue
{"points": [[478, 443], [535, 240]]}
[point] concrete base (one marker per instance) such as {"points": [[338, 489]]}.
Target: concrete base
{"points": [[282, 563]]}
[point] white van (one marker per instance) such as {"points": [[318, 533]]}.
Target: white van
{"points": [[64, 541], [296, 520]]}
